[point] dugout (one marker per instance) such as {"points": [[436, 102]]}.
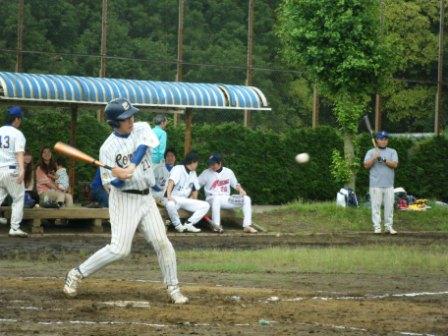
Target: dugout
{"points": [[76, 92]]}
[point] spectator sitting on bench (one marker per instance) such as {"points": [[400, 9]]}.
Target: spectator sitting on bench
{"points": [[97, 191], [49, 193], [31, 196]]}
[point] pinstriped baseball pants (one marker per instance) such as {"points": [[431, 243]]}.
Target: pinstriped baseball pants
{"points": [[8, 185], [377, 197], [127, 213]]}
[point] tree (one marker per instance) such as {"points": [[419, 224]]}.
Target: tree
{"points": [[337, 44]]}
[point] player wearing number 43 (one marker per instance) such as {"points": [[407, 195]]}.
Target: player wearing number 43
{"points": [[12, 171], [182, 193], [217, 181], [131, 206]]}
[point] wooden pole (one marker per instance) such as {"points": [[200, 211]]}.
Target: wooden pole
{"points": [[315, 117], [377, 112], [180, 49], [72, 142], [188, 130], [439, 96], [103, 56], [19, 57], [249, 58]]}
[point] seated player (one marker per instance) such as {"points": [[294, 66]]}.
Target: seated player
{"points": [[161, 175], [182, 192], [217, 181]]}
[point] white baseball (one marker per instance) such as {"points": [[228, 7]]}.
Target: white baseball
{"points": [[302, 158]]}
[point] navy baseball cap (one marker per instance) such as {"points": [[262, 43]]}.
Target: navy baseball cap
{"points": [[15, 111], [214, 158], [382, 135]]}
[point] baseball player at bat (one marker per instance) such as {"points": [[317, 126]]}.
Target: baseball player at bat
{"points": [[182, 193], [381, 163], [131, 205], [12, 167], [217, 181]]}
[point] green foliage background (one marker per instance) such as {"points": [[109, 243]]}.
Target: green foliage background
{"points": [[263, 160]]}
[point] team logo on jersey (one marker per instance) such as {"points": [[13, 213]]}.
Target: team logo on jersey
{"points": [[122, 161], [126, 105], [219, 183]]}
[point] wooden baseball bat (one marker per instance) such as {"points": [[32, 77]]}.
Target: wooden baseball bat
{"points": [[76, 154], [369, 128]]}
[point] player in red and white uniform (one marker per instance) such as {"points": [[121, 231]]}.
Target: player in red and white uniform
{"points": [[218, 181]]}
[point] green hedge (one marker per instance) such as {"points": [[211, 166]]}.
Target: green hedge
{"points": [[263, 160]]}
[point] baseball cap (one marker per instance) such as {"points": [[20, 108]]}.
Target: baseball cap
{"points": [[382, 135], [214, 158], [15, 111]]}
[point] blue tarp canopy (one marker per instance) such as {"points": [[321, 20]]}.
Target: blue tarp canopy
{"points": [[40, 88]]}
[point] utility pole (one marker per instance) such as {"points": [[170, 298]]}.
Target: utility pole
{"points": [[315, 118], [103, 56], [439, 96], [378, 118], [249, 60], [180, 49], [20, 15]]}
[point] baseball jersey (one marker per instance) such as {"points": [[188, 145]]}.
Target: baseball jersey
{"points": [[12, 141], [218, 183], [381, 176], [184, 181], [161, 176], [117, 150]]}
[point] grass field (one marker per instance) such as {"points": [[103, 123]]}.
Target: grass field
{"points": [[322, 281], [321, 217]]}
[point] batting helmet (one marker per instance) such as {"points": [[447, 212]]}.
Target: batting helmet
{"points": [[119, 109]]}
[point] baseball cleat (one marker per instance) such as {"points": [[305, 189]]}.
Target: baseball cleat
{"points": [[3, 221], [391, 231], [176, 296], [216, 228], [377, 231], [72, 280], [17, 233], [249, 229], [191, 228], [180, 228]]}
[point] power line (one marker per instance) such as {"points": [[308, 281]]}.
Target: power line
{"points": [[156, 61]]}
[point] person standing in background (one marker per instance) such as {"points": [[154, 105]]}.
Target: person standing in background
{"points": [[158, 152]]}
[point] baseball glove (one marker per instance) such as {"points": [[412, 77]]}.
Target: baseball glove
{"points": [[237, 200]]}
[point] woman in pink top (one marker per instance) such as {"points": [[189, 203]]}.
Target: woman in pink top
{"points": [[45, 182]]}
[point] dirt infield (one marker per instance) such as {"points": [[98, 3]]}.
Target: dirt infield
{"points": [[127, 298]]}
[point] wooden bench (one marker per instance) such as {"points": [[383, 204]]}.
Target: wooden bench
{"points": [[36, 215]]}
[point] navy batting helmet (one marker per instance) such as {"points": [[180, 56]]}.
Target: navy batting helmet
{"points": [[119, 109]]}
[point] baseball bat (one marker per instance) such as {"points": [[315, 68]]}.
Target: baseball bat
{"points": [[76, 154], [369, 128]]}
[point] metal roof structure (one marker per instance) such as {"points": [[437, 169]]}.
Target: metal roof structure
{"points": [[50, 89]]}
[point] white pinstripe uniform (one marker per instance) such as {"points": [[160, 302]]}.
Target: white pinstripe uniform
{"points": [[131, 211], [12, 142], [184, 182], [381, 187], [217, 192]]}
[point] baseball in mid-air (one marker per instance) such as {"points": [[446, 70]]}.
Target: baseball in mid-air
{"points": [[302, 158]]}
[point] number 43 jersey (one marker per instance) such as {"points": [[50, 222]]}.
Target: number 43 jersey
{"points": [[12, 141], [117, 150]]}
